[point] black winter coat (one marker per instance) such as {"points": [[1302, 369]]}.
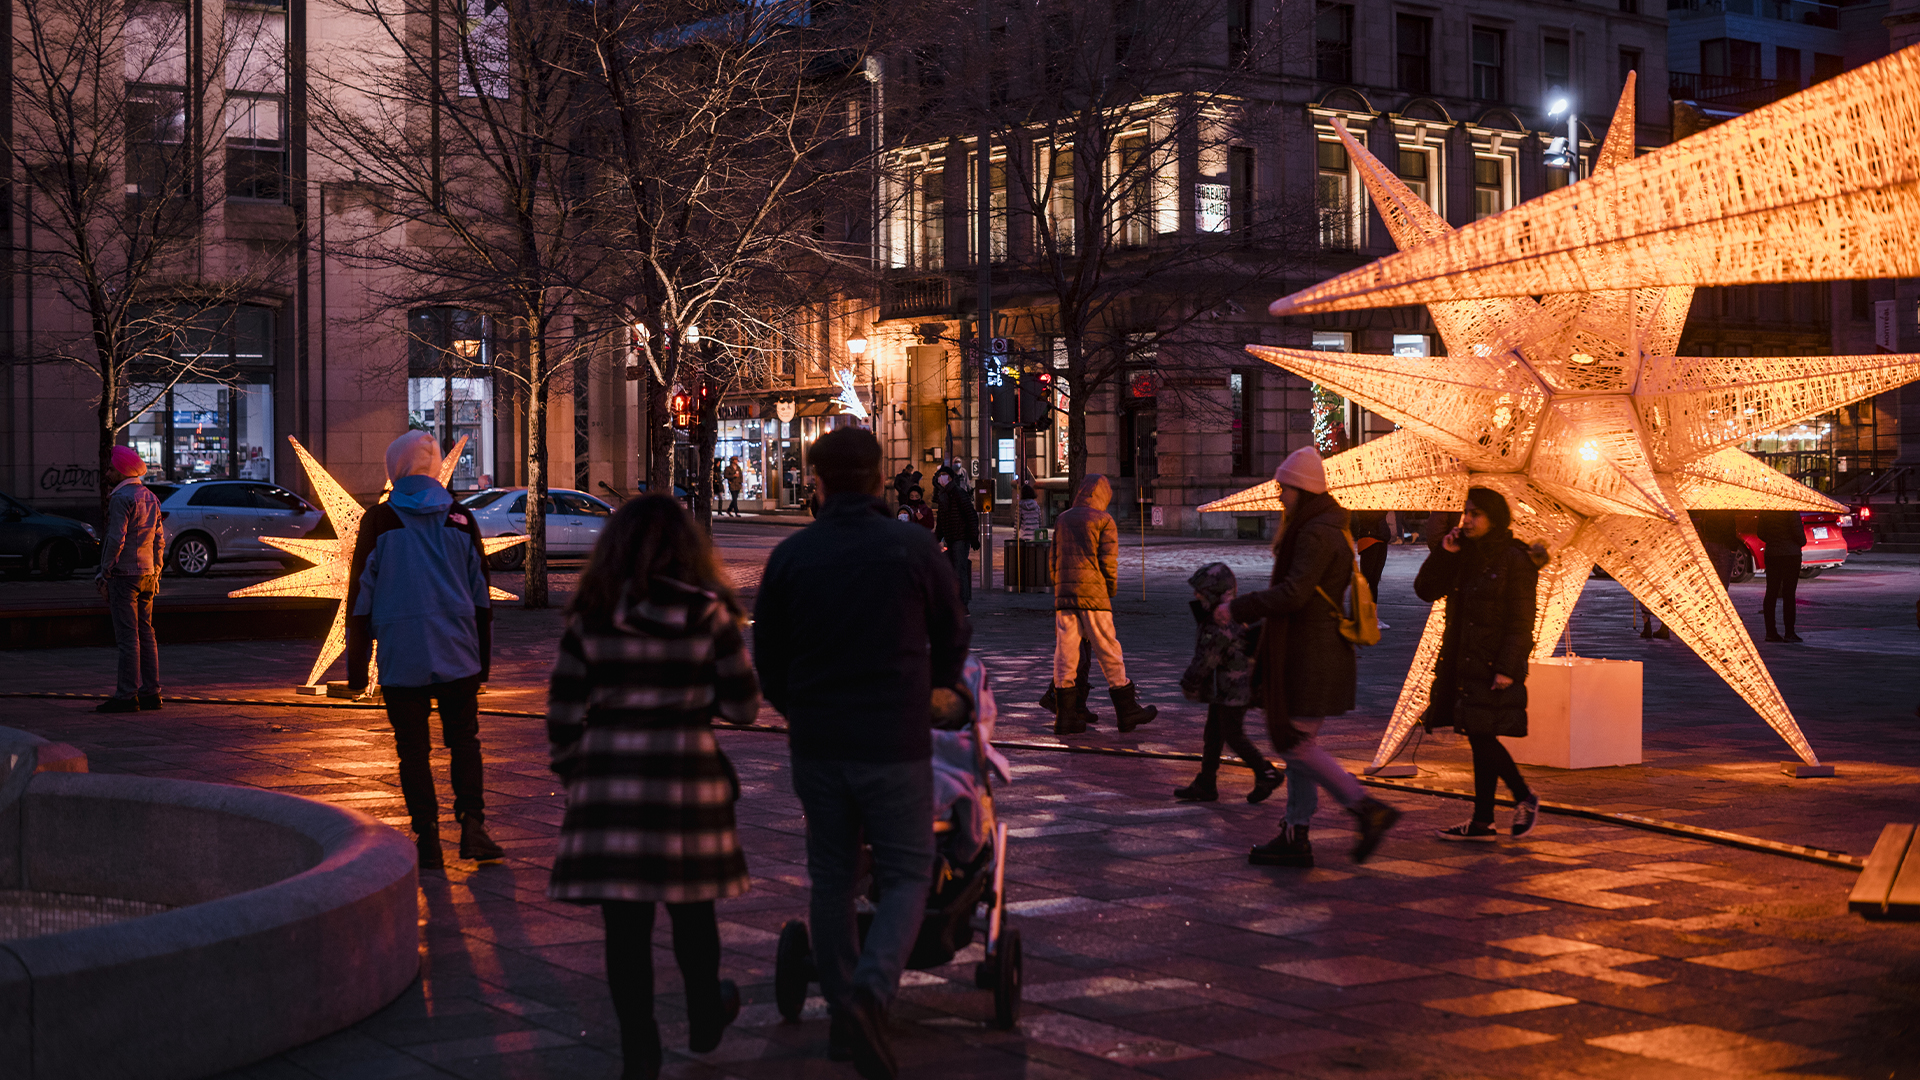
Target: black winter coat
{"points": [[1303, 663], [858, 619], [1489, 588]]}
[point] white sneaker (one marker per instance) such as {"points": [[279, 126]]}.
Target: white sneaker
{"points": [[1525, 812]]}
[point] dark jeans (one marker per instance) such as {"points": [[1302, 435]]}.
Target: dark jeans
{"points": [[957, 554], [130, 602], [696, 948], [1783, 581], [889, 805], [733, 501], [1226, 727], [1491, 765], [407, 709]]}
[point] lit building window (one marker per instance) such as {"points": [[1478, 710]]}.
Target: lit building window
{"points": [[1492, 185], [1334, 194]]}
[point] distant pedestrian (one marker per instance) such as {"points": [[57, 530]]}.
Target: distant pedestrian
{"points": [[858, 621], [652, 653], [956, 523], [904, 481], [1086, 576], [1371, 537], [914, 509], [1027, 515], [1784, 535], [131, 556], [1720, 538], [734, 476], [1221, 675], [1307, 669], [1488, 580], [418, 587]]}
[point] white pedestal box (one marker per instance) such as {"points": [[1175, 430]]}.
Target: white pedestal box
{"points": [[1581, 714]]}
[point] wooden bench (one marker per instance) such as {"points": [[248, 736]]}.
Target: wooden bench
{"points": [[1889, 887]]}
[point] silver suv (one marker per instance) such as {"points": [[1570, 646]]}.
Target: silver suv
{"points": [[209, 521]]}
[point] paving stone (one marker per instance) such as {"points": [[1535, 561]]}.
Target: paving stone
{"points": [[1152, 948]]}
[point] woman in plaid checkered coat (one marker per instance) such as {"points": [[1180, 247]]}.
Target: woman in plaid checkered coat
{"points": [[652, 653]]}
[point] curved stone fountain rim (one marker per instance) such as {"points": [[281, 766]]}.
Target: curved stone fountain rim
{"points": [[364, 865], [356, 850]]}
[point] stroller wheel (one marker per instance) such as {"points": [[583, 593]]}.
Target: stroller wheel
{"points": [[792, 970], [1006, 988]]}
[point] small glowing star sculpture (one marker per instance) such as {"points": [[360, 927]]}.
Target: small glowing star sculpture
{"points": [[333, 559], [1572, 405]]}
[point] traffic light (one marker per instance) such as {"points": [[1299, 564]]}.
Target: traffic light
{"points": [[1036, 399], [1003, 399], [681, 406]]}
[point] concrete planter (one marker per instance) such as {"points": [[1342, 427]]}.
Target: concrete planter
{"points": [[294, 919]]}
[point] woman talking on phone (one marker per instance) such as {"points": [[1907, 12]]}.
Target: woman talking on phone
{"points": [[1487, 580]]}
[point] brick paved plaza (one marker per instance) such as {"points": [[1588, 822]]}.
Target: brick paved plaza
{"points": [[1152, 948]]}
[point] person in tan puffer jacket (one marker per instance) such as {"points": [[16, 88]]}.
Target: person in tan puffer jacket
{"points": [[1086, 574]]}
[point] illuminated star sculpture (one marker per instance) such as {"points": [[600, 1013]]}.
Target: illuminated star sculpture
{"points": [[333, 559], [1573, 405]]}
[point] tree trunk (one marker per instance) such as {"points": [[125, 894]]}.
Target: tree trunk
{"points": [[706, 432], [535, 595], [109, 396], [659, 436]]}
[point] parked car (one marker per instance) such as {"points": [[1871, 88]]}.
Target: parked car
{"points": [[1857, 527], [209, 521], [44, 544], [574, 520], [1826, 546]]}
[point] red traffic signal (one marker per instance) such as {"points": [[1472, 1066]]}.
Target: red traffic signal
{"points": [[681, 405]]}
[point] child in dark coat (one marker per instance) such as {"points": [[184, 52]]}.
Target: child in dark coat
{"points": [[1222, 676]]}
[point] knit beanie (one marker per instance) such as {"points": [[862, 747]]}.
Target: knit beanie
{"points": [[1304, 470], [127, 462], [1493, 504], [417, 453]]}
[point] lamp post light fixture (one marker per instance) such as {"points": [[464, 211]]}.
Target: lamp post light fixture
{"points": [[1564, 151]]}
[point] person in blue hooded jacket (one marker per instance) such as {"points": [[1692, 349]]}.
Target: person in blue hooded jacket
{"points": [[418, 586]]}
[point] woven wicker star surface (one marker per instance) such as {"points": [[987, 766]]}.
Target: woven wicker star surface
{"points": [[1572, 405], [332, 559]]}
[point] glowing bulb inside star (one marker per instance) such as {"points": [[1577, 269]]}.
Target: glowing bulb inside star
{"points": [[1581, 358], [1502, 416], [1482, 350], [1589, 451]]}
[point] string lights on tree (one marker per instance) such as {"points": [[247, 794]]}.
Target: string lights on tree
{"points": [[1573, 405]]}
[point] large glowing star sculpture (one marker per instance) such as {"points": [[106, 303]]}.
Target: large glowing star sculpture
{"points": [[333, 559], [1572, 405]]}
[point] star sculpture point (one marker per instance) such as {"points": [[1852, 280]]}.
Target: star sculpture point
{"points": [[332, 559], [1572, 405]]}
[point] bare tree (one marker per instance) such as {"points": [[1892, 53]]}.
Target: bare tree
{"points": [[468, 119], [744, 147], [1115, 135], [117, 153]]}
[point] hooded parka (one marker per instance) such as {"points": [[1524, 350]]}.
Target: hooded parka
{"points": [[1489, 588], [1303, 663], [1086, 550]]}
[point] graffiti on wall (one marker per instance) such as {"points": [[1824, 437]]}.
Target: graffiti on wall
{"points": [[60, 479]]}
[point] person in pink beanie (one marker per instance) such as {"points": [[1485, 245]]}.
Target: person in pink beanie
{"points": [[129, 579]]}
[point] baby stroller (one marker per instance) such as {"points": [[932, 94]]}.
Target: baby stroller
{"points": [[969, 865]]}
